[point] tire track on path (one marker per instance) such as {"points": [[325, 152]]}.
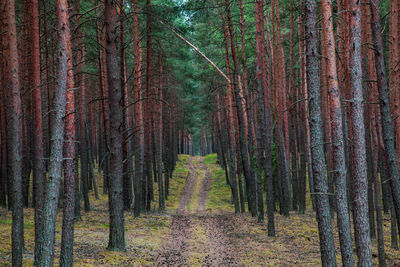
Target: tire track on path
{"points": [[176, 248], [202, 238]]}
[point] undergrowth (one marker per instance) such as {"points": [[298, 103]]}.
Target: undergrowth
{"points": [[219, 196], [144, 235]]}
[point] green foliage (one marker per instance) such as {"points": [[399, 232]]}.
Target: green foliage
{"points": [[219, 196], [177, 183], [210, 159]]}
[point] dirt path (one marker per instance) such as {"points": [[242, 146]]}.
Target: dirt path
{"points": [[222, 250], [188, 189], [205, 187], [198, 238], [175, 251]]}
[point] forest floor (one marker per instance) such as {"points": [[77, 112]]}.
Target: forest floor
{"points": [[198, 228]]}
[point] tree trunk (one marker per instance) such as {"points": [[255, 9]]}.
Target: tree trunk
{"points": [[57, 139], [138, 109], [38, 162], [281, 116], [128, 197], [394, 79], [70, 174], [304, 132], [232, 147], [116, 240], [3, 167], [379, 222], [359, 177], [339, 165], [159, 136], [387, 122], [317, 150], [14, 132], [83, 148], [148, 183], [240, 115], [263, 141]]}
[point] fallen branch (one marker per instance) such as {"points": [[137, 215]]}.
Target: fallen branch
{"points": [[198, 51]]}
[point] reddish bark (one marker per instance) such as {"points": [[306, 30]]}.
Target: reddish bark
{"points": [[128, 197], [104, 107], [264, 135], [116, 240], [359, 177], [292, 113], [57, 139], [318, 161], [387, 122], [70, 172], [138, 110], [327, 128], [337, 135], [281, 114], [81, 80], [303, 132], [240, 114], [232, 144], [394, 69], [38, 162], [14, 130], [159, 136], [148, 196], [373, 110]]}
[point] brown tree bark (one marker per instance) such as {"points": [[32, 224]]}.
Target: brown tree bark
{"points": [[337, 135], [57, 139], [387, 122], [375, 149], [249, 111], [327, 127], [240, 114], [359, 177], [116, 240], [292, 121], [367, 121], [317, 150], [3, 171], [104, 108], [70, 172], [231, 139], [159, 136], [394, 69], [14, 130], [128, 196], [304, 132], [281, 114], [81, 85], [264, 133], [39, 171], [138, 110], [148, 183]]}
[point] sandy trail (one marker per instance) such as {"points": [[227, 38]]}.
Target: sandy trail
{"points": [[198, 237], [175, 252], [188, 189], [205, 187]]}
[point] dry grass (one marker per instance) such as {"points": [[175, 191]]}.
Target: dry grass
{"points": [[296, 241], [144, 235]]}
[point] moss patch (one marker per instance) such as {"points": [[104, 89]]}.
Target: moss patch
{"points": [[219, 196], [176, 184]]}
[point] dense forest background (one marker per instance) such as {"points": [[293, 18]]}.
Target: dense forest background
{"points": [[299, 100]]}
